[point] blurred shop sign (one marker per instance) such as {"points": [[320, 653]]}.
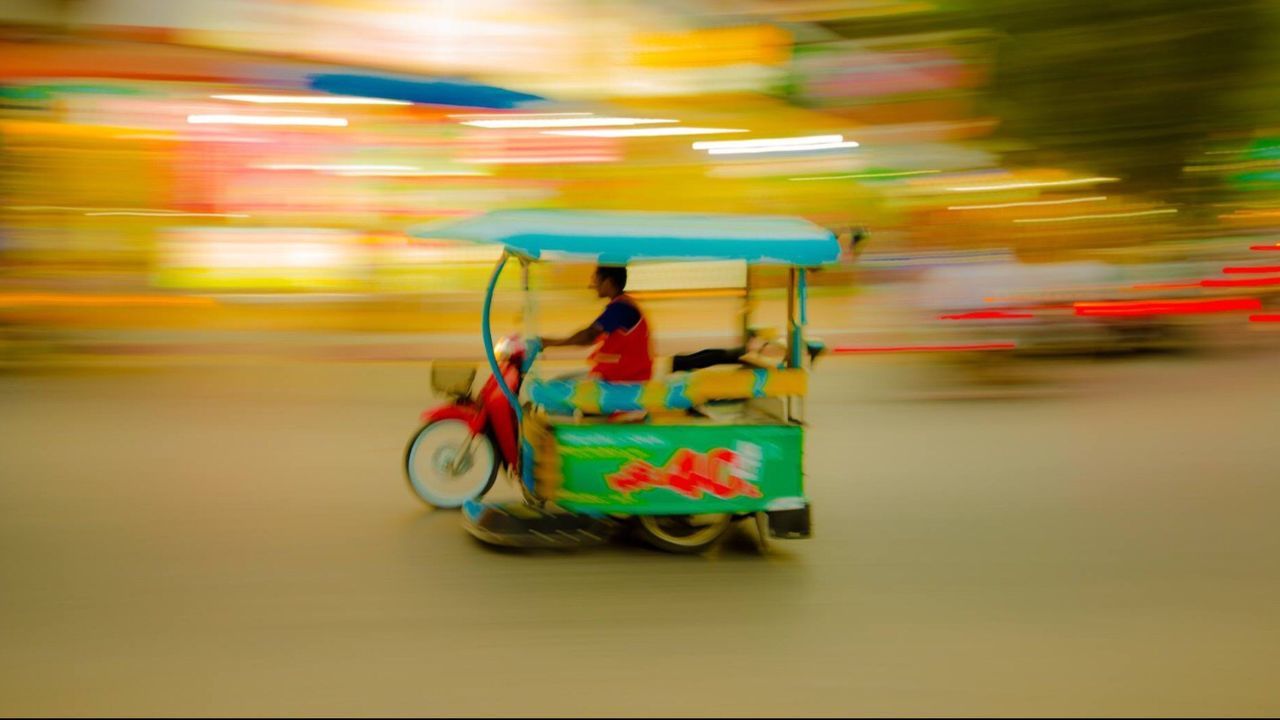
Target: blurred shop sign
{"points": [[856, 71], [747, 45]]}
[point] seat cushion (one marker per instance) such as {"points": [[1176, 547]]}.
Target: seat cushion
{"points": [[678, 391]]}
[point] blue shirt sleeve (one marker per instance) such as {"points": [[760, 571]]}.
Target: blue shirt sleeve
{"points": [[618, 316]]}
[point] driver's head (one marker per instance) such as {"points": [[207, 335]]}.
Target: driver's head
{"points": [[609, 281]]}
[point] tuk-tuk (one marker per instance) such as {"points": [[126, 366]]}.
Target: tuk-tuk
{"points": [[717, 439]]}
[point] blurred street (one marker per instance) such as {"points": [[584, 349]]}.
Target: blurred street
{"points": [[209, 540]]}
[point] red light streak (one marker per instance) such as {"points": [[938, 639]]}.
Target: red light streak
{"points": [[1252, 269], [986, 315], [1244, 282], [1165, 307]]}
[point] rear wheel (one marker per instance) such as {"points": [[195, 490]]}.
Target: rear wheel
{"points": [[687, 534], [446, 465]]}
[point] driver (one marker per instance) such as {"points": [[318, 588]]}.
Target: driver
{"points": [[624, 351]]}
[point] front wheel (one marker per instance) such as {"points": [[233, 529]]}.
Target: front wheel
{"points": [[686, 534], [446, 465]]}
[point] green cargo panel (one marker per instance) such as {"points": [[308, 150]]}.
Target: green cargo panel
{"points": [[679, 469]]}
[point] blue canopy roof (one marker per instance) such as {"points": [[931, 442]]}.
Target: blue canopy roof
{"points": [[618, 237], [461, 93]]}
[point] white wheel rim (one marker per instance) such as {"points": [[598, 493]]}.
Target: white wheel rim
{"points": [[712, 527], [431, 468]]}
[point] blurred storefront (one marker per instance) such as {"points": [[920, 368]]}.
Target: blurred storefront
{"points": [[215, 146]]}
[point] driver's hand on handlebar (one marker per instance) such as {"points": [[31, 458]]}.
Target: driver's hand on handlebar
{"points": [[533, 348]]}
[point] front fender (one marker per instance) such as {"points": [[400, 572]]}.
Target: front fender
{"points": [[471, 415]]}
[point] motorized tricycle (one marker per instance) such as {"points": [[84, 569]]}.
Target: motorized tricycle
{"points": [[719, 438]]}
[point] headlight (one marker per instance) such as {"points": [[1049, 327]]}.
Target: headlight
{"points": [[508, 346]]}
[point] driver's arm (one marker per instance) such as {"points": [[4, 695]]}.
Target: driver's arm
{"points": [[584, 337]]}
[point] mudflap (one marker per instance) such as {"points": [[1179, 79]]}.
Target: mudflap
{"points": [[520, 525], [790, 524]]}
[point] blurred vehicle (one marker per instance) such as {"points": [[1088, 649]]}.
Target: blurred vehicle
{"points": [[1045, 310], [678, 458]]}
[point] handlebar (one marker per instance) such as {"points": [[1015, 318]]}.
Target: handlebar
{"points": [[532, 349]]}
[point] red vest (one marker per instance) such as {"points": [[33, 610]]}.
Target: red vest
{"points": [[624, 355]]}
